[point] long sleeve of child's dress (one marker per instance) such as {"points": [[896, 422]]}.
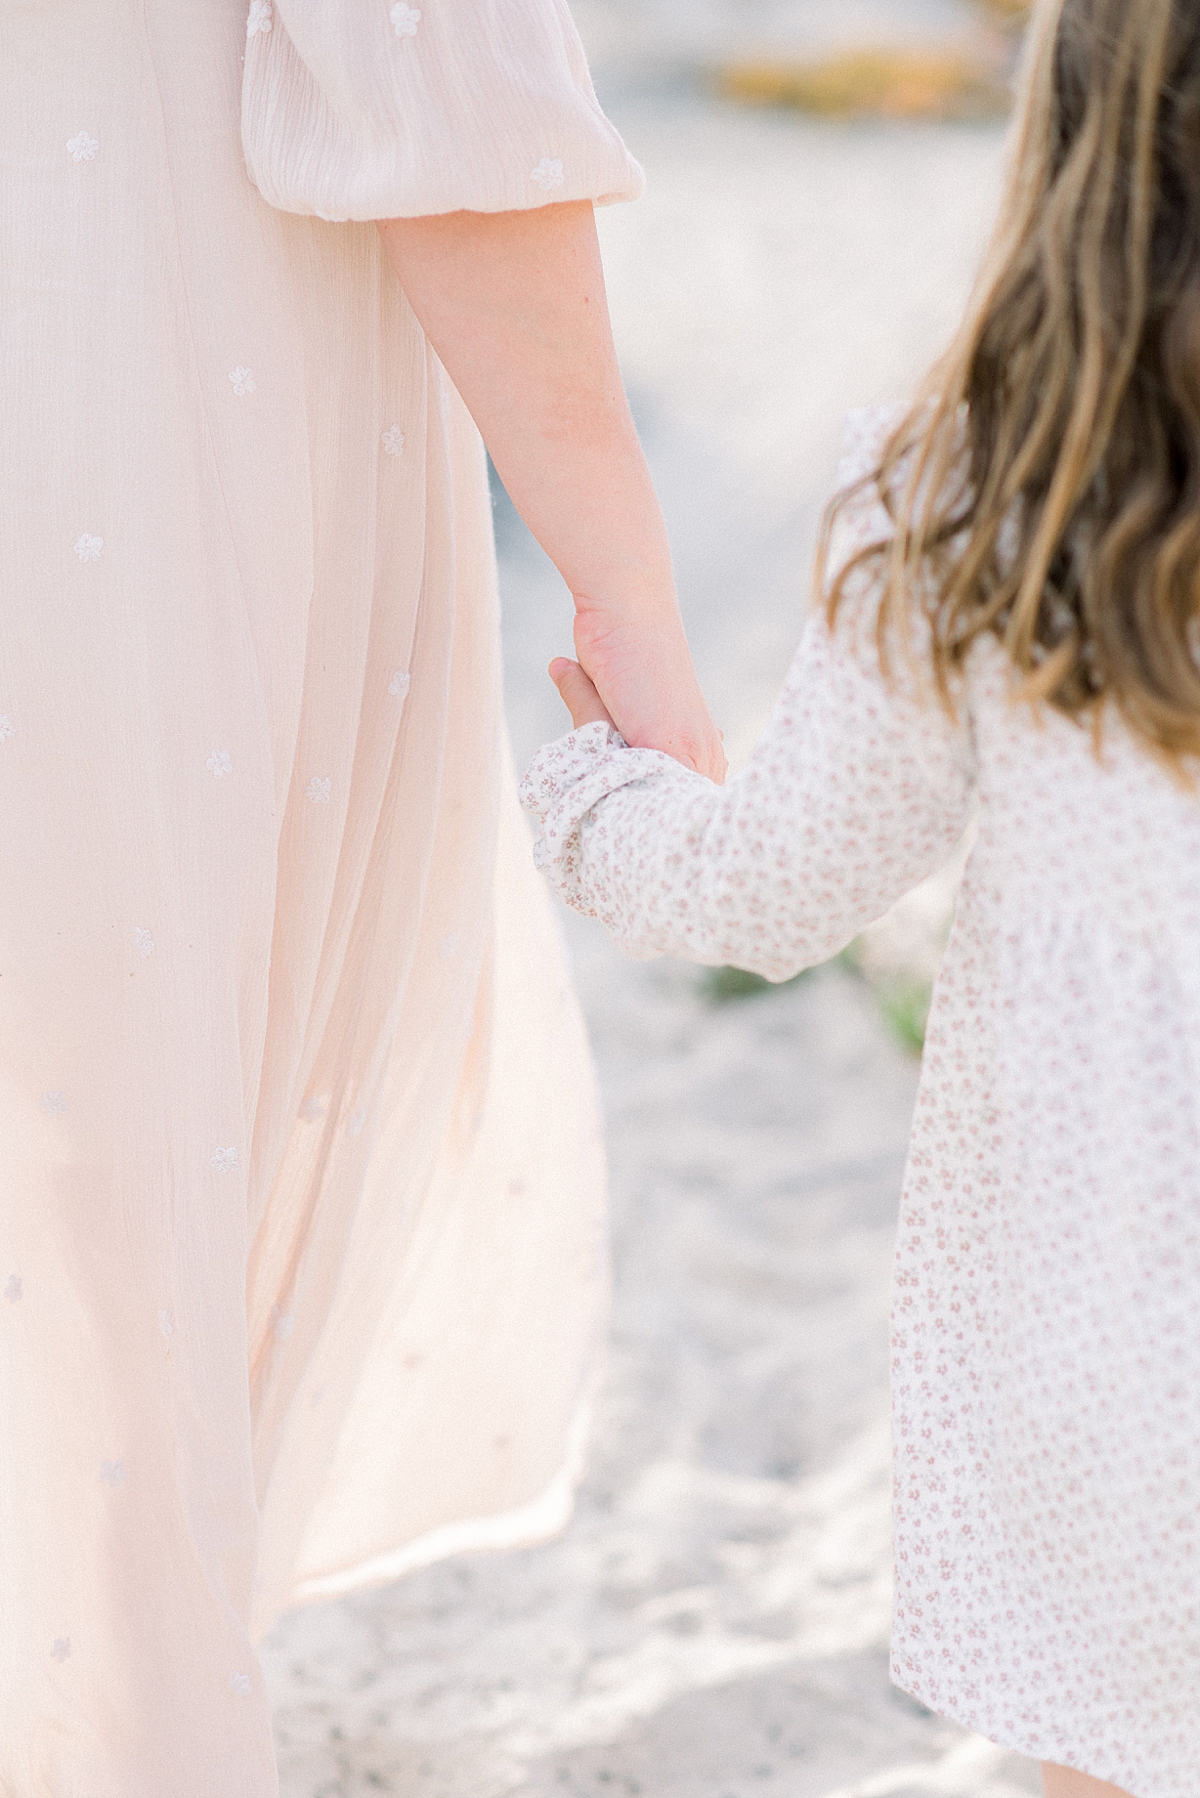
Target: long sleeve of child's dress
{"points": [[859, 788]]}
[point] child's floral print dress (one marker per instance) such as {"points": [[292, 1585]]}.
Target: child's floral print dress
{"points": [[1046, 1316]]}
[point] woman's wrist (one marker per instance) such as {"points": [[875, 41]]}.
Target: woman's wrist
{"points": [[627, 601], [638, 660], [649, 625]]}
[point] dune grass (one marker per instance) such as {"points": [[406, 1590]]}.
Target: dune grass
{"points": [[905, 1006], [903, 998], [1007, 12], [935, 83], [720, 985]]}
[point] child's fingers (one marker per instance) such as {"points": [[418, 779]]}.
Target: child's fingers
{"points": [[578, 694]]}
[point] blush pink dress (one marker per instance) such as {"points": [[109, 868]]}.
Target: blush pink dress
{"points": [[301, 1227]]}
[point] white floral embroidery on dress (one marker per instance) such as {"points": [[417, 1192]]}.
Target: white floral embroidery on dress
{"points": [[239, 1683], [144, 939], [7, 728], [83, 148], [219, 763], [547, 174], [319, 789], [398, 685], [62, 1648], [224, 1160], [242, 381], [166, 1321], [393, 441], [13, 1290], [88, 548], [53, 1104], [405, 19], [113, 1474], [260, 18]]}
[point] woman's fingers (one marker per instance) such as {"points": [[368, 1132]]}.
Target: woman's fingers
{"points": [[578, 694]]}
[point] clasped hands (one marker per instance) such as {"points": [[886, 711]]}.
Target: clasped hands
{"points": [[636, 673]]}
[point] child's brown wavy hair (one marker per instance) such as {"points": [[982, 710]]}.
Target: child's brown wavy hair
{"points": [[1046, 484]]}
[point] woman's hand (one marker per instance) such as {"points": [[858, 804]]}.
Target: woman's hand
{"points": [[641, 670], [514, 305], [582, 699]]}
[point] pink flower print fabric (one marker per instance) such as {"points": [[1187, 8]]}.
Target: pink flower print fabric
{"points": [[1046, 1314]]}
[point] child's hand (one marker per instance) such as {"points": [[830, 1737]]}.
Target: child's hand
{"points": [[578, 694]]}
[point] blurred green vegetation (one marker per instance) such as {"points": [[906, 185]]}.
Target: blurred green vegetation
{"points": [[902, 999], [905, 1005], [720, 985]]}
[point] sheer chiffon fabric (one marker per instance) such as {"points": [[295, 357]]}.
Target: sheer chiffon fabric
{"points": [[301, 1233], [387, 112]]}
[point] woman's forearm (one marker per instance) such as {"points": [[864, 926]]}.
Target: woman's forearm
{"points": [[514, 305]]}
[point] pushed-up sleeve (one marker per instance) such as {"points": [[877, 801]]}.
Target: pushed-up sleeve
{"points": [[860, 788], [371, 109]]}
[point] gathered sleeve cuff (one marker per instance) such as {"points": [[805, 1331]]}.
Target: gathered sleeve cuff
{"points": [[614, 865], [853, 796], [374, 109], [859, 788]]}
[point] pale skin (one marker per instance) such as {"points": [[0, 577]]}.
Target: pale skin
{"points": [[514, 305], [1061, 1782]]}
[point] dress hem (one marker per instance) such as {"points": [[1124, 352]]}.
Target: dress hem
{"points": [[1056, 1756], [542, 1518]]}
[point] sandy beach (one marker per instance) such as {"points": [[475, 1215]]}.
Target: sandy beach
{"points": [[714, 1622]]}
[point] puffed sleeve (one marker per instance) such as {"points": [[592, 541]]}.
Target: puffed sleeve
{"points": [[370, 109]]}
